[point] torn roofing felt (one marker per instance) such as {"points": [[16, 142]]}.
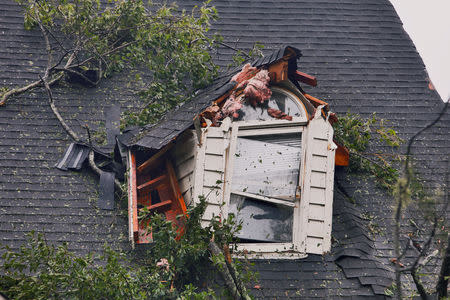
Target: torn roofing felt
{"points": [[158, 135]]}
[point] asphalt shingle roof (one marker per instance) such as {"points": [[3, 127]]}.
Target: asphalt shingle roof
{"points": [[364, 62]]}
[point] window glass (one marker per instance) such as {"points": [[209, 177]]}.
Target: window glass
{"points": [[267, 165], [262, 221]]}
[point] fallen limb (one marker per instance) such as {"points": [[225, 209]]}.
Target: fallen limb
{"points": [[223, 269]]}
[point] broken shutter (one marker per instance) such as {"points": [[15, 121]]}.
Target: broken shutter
{"points": [[153, 185], [210, 169], [317, 193]]}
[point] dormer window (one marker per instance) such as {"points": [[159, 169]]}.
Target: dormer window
{"points": [[262, 150], [277, 177]]}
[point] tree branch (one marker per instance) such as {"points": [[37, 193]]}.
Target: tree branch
{"points": [[441, 287], [223, 269], [403, 186], [98, 171], [55, 111]]}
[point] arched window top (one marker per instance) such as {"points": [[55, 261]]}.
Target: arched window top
{"points": [[282, 100]]}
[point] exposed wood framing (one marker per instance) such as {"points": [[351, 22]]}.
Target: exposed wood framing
{"points": [[132, 199], [278, 71], [316, 102], [154, 160], [305, 78]]}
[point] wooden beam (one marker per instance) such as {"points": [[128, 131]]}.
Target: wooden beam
{"points": [[316, 102], [152, 183], [133, 199], [278, 71], [160, 204], [305, 78], [154, 160], [175, 187]]}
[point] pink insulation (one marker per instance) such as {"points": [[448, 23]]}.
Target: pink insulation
{"points": [[257, 89], [278, 114], [231, 107], [247, 72]]}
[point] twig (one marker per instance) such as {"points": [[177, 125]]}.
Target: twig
{"points": [[232, 48]]}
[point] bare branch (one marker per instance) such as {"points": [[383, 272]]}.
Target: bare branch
{"points": [[232, 48], [66, 127], [68, 70], [402, 194], [441, 287]]}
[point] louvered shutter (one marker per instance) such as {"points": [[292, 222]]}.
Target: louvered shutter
{"points": [[317, 191], [210, 170]]}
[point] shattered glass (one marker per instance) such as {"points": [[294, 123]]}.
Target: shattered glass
{"points": [[267, 165], [262, 221]]}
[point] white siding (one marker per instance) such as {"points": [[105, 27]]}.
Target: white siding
{"points": [[183, 158], [317, 192]]}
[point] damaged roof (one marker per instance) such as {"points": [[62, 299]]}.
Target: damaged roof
{"points": [[364, 62], [175, 122]]}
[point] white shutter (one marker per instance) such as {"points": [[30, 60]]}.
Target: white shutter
{"points": [[210, 169], [317, 191]]}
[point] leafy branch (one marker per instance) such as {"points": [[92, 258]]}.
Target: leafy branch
{"points": [[355, 134]]}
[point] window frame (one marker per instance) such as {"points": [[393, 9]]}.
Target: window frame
{"points": [[265, 127], [250, 128]]}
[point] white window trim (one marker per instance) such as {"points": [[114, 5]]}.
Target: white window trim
{"points": [[291, 250]]}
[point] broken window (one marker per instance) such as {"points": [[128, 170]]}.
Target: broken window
{"points": [[264, 184]]}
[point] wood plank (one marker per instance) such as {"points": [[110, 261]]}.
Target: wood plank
{"points": [[215, 132], [154, 160], [212, 210], [214, 145], [315, 245], [305, 78], [316, 228], [159, 205], [133, 205], [318, 179], [316, 102], [319, 163], [213, 179], [186, 183], [317, 195], [213, 195], [199, 170], [214, 162], [152, 183], [184, 148], [185, 169], [175, 188], [342, 157], [316, 212]]}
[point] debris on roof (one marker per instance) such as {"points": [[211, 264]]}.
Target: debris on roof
{"points": [[73, 157]]}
